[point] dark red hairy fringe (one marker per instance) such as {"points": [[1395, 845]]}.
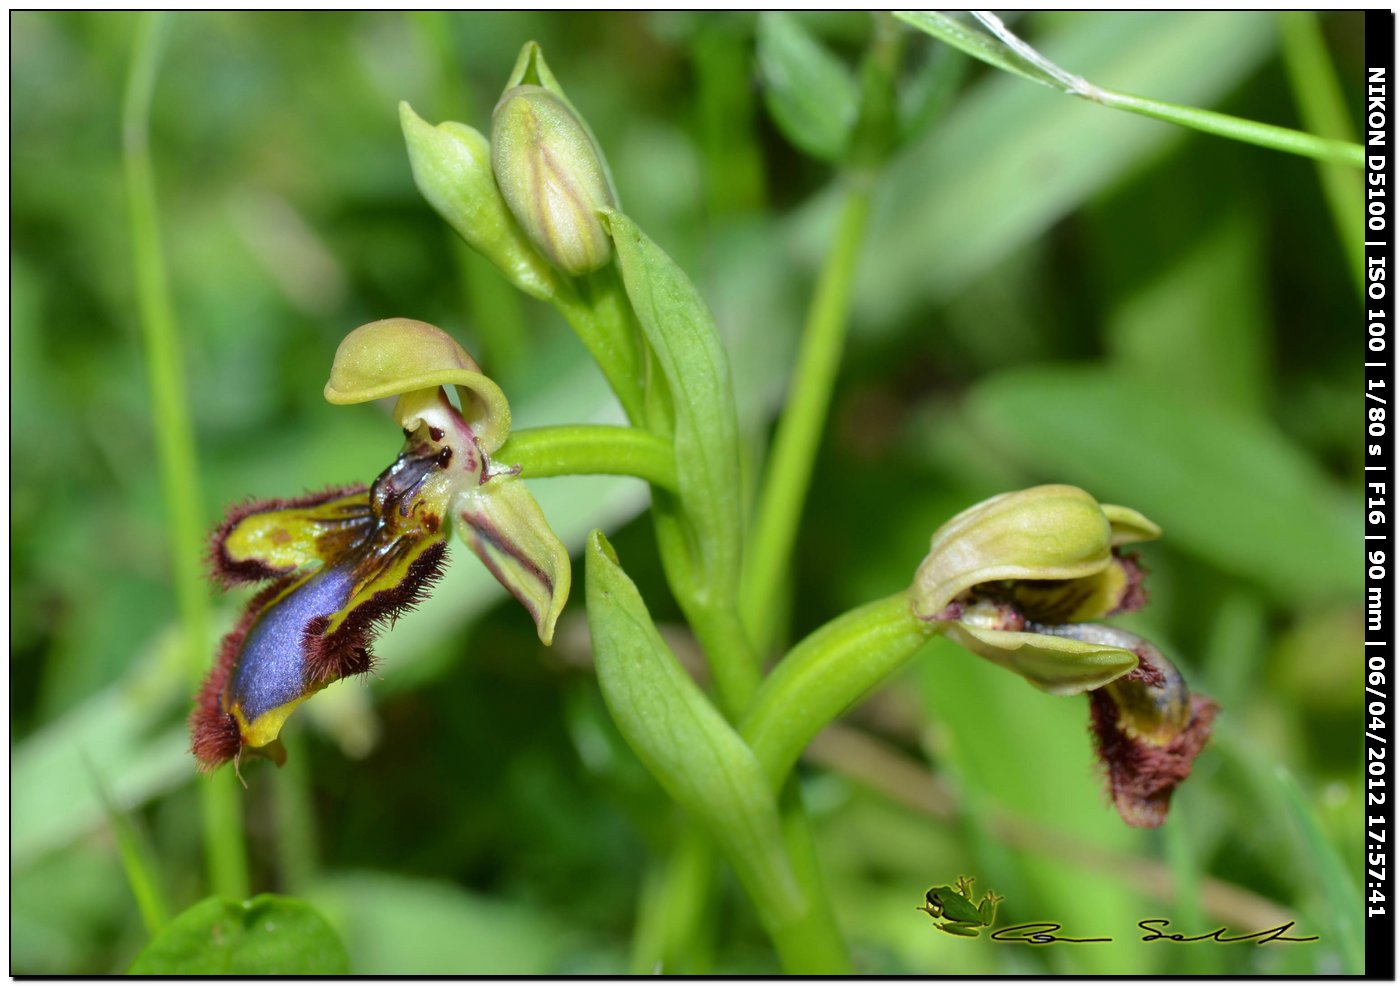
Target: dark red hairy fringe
{"points": [[1147, 672], [346, 651], [229, 573], [214, 735], [1141, 776], [1134, 595]]}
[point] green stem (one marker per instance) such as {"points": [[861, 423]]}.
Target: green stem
{"points": [[1246, 131], [716, 624], [818, 680], [1025, 61], [1320, 103], [601, 317], [799, 431], [808, 941], [296, 818], [825, 675], [671, 936], [611, 450], [815, 944], [175, 445]]}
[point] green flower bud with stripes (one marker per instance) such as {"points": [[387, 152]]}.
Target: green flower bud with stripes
{"points": [[552, 178]]}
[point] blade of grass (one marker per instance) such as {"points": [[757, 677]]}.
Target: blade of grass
{"points": [[1031, 65], [1319, 98], [1186, 880], [138, 861], [174, 432], [1322, 882], [1339, 891]]}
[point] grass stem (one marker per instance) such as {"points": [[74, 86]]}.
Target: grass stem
{"points": [[794, 452], [174, 434]]}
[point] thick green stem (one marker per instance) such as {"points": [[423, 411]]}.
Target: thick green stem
{"points": [[716, 623], [591, 450], [814, 945], [175, 445], [825, 675], [601, 317], [799, 431]]}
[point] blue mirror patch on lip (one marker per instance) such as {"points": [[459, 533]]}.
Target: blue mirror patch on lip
{"points": [[271, 671]]}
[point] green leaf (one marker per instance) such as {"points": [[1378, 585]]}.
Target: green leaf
{"points": [[975, 42], [1334, 875], [811, 95], [690, 749], [143, 874], [1226, 487], [681, 331], [266, 936], [408, 926], [110, 733], [1030, 64]]}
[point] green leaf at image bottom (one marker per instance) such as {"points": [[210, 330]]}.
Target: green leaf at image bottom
{"points": [[267, 935]]}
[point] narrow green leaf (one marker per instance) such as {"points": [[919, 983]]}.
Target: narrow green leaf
{"points": [[1339, 891], [1228, 488], [266, 936], [697, 757], [812, 96], [681, 331], [972, 41], [1030, 64], [1324, 111], [143, 875]]}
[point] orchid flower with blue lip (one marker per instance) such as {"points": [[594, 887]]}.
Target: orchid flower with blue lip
{"points": [[1016, 578], [344, 563]]}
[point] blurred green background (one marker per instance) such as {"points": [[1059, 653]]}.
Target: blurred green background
{"points": [[1050, 292]]}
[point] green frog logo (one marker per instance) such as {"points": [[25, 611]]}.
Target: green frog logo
{"points": [[952, 909]]}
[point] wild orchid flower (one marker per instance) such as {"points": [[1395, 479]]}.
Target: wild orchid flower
{"points": [[1015, 579], [344, 563]]}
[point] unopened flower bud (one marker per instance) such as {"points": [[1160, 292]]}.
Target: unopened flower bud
{"points": [[452, 169], [551, 176]]}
